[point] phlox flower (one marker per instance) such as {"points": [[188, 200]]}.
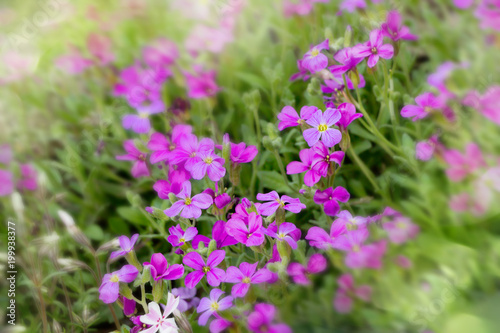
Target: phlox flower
{"points": [[488, 104], [6, 182], [347, 115], [401, 229], [179, 237], [329, 199], [314, 60], [208, 164], [348, 61], [214, 275], [162, 146], [187, 298], [160, 53], [321, 123], [188, 150], [299, 273], [311, 176], [210, 305], [319, 238], [110, 286], [202, 84], [460, 165], [394, 28], [347, 291], [28, 180], [274, 202], [374, 48], [126, 245], [160, 269], [336, 83], [323, 158], [160, 322], [261, 320], [140, 168], [219, 324], [249, 233], [189, 207], [244, 276], [219, 234], [288, 117], [100, 47], [426, 103], [286, 232]]}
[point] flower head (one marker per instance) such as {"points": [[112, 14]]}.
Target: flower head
{"points": [[374, 49], [319, 238], [347, 115], [288, 117], [179, 237], [321, 123], [249, 233], [240, 153], [208, 164], [126, 245], [329, 199], [401, 229], [347, 291], [394, 28], [214, 275], [323, 158], [140, 168], [306, 163], [286, 232], [348, 61], [160, 269], [460, 165], [158, 321], [160, 53], [244, 276], [314, 60], [210, 305], [261, 320], [426, 103], [299, 273], [187, 298], [109, 289], [202, 84], [274, 202], [189, 207]]}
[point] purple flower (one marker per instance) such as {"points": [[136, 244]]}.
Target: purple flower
{"points": [[463, 4], [219, 234], [351, 5], [359, 255], [162, 147], [323, 158], [329, 198], [202, 84], [261, 320], [351, 222], [319, 238], [424, 150], [426, 103], [401, 229], [288, 117], [208, 164], [488, 12], [394, 28], [374, 49], [187, 298], [240, 153], [299, 274], [99, 46], [347, 60], [488, 104], [221, 200], [321, 123], [140, 168], [302, 74], [274, 202], [126, 245], [347, 290], [245, 276], [110, 287], [28, 179], [307, 157], [250, 233], [5, 154], [160, 53], [210, 306], [128, 305], [214, 275], [189, 207], [284, 233], [160, 269], [73, 62], [159, 321], [173, 185], [178, 236], [347, 115], [314, 60], [140, 123], [219, 324], [188, 150], [460, 165]]}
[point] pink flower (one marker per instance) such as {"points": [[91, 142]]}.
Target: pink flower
{"points": [[100, 47], [302, 74], [139, 123], [221, 200], [319, 238], [210, 306], [140, 168], [426, 103], [321, 123], [188, 150], [347, 291], [189, 207], [403, 262], [314, 60], [162, 147], [347, 115], [28, 179], [176, 177], [351, 222], [348, 61], [274, 202], [424, 150], [359, 255], [312, 176], [109, 289], [160, 53], [240, 153], [460, 165], [351, 5], [126, 245], [488, 12], [374, 49], [401, 229], [244, 276], [329, 197], [178, 237], [214, 275], [394, 28], [6, 182], [288, 117], [158, 321], [488, 104], [208, 164], [286, 232], [261, 320], [460, 202], [250, 233], [5, 154], [202, 84], [463, 4], [73, 62], [160, 269], [323, 159], [316, 264], [205, 38]]}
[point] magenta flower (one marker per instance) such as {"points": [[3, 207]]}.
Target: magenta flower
{"points": [[188, 150], [174, 184], [274, 202], [460, 165], [359, 255], [28, 179], [319, 238], [426, 103], [488, 13], [244, 276], [488, 104], [73, 62], [351, 222], [219, 324], [250, 233], [140, 123], [160, 269], [347, 115], [323, 158], [321, 123], [5, 154], [160, 53], [374, 49], [178, 236], [189, 207], [210, 306], [347, 291], [109, 289], [302, 74], [240, 153], [158, 321], [187, 298], [140, 168], [401, 229], [336, 84], [162, 147], [288, 117], [286, 232], [348, 61], [261, 320], [219, 234], [128, 305], [214, 275], [6, 182], [394, 28], [314, 60], [126, 246], [100, 48], [312, 176], [329, 199], [424, 150], [299, 274], [463, 4], [208, 164], [351, 5], [221, 200], [202, 84]]}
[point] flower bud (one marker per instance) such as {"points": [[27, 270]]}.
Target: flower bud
{"points": [[158, 290], [183, 322], [172, 197], [348, 36], [284, 250], [125, 291], [354, 76], [212, 246], [146, 274], [345, 143], [280, 216]]}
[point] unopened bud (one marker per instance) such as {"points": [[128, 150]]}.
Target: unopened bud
{"points": [[158, 290], [183, 322], [212, 246], [348, 36]]}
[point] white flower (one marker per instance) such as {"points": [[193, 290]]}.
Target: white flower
{"points": [[160, 322]]}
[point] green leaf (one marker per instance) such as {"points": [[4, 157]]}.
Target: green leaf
{"points": [[273, 180]]}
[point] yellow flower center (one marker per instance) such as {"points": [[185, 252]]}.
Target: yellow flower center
{"points": [[281, 235], [374, 50], [193, 154], [246, 280], [356, 248], [206, 269], [182, 240], [300, 121], [401, 225], [314, 52], [187, 201], [282, 204], [143, 115], [114, 278], [214, 306], [209, 160], [427, 109], [322, 127]]}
